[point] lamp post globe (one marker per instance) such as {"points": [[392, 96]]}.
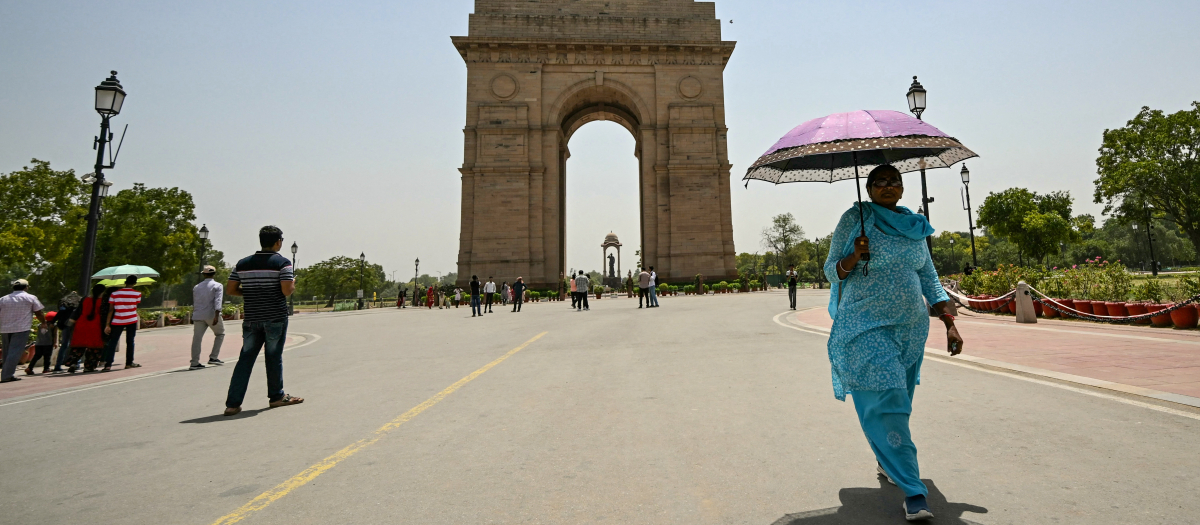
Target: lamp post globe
{"points": [[110, 96], [965, 174], [204, 232], [916, 98]]}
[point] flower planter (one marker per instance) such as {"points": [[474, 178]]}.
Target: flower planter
{"points": [[1066, 303], [1098, 308], [1083, 306], [1159, 320], [1185, 318], [1116, 309], [1012, 307], [1037, 308], [1137, 309], [1047, 309]]}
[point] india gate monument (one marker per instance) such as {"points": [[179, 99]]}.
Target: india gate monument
{"points": [[537, 71]]}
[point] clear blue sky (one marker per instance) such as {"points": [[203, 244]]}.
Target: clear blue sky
{"points": [[342, 121]]}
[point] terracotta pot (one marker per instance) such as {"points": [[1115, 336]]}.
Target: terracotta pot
{"points": [[1116, 309], [1083, 306], [1012, 307], [1099, 308], [1137, 309], [1185, 318], [1047, 310], [1037, 308], [1159, 320]]}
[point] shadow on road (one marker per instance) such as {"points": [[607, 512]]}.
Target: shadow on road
{"points": [[218, 417], [881, 506]]}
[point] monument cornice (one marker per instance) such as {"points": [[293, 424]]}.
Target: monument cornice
{"points": [[592, 51]]}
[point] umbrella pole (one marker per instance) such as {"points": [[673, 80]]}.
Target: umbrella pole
{"points": [[862, 222]]}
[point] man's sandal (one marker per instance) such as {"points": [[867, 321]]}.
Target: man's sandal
{"points": [[287, 400], [232, 411]]}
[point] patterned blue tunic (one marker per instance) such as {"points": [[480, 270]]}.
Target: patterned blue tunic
{"points": [[880, 323]]}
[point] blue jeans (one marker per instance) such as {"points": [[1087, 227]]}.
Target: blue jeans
{"points": [[256, 334], [475, 310], [653, 296], [884, 418]]}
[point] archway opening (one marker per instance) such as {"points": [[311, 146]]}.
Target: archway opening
{"points": [[601, 196]]}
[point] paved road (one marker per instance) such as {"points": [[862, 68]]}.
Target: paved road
{"points": [[703, 411]]}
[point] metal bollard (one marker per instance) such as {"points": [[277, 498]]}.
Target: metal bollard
{"points": [[1025, 312]]}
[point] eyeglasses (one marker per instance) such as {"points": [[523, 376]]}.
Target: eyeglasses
{"points": [[881, 183]]}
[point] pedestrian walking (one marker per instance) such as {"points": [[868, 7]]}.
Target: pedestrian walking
{"points": [[457, 296], [122, 318], [505, 290], [429, 298], [791, 282], [43, 346], [400, 297], [582, 284], [643, 288], [476, 287], [264, 281], [87, 334], [17, 310], [518, 293], [66, 326], [574, 294], [653, 288], [489, 289], [880, 324], [207, 297]]}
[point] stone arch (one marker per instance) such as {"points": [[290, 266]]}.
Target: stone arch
{"points": [[536, 73]]}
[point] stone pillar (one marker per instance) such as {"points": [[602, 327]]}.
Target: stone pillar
{"points": [[1025, 312]]}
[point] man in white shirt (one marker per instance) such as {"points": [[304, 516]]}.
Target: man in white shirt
{"points": [[582, 285], [207, 297], [643, 288], [17, 311], [653, 299], [489, 290]]}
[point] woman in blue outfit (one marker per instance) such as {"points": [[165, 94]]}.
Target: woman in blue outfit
{"points": [[880, 324]]}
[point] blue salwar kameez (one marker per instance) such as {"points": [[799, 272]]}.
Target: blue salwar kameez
{"points": [[880, 325]]}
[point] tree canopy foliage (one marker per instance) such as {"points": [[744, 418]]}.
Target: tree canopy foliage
{"points": [[1036, 224], [339, 277], [1155, 160]]}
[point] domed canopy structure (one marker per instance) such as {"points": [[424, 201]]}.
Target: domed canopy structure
{"points": [[610, 240], [611, 277]]}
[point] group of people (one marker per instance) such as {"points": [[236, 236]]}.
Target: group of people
{"points": [[86, 330], [482, 304]]}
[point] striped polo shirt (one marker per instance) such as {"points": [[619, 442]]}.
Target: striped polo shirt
{"points": [[124, 304], [260, 275]]}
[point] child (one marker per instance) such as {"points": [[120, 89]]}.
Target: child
{"points": [[47, 336]]}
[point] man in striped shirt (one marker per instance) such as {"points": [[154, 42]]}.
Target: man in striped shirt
{"points": [[122, 317], [264, 280]]}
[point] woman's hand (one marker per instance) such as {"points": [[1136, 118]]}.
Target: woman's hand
{"points": [[954, 342], [862, 245], [108, 330]]}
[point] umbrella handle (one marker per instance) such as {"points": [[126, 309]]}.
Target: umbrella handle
{"points": [[862, 222]]}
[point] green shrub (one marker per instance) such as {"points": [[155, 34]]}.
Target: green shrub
{"points": [[534, 295], [1151, 290]]}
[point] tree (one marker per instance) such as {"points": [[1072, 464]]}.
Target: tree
{"points": [[151, 227], [338, 277], [43, 215], [1037, 224], [780, 238], [1154, 159]]}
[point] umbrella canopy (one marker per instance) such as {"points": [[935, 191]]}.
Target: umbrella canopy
{"points": [[125, 270], [835, 147], [144, 281]]}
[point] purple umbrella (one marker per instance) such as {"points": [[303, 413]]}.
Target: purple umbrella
{"points": [[833, 148]]}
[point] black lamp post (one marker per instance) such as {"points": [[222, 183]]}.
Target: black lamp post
{"points": [[203, 244], [362, 259], [916, 104], [109, 99], [292, 305], [966, 178], [1150, 240]]}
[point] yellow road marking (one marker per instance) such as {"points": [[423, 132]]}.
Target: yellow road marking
{"points": [[312, 472]]}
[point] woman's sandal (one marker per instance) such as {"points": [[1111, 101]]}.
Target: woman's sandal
{"points": [[133, 365]]}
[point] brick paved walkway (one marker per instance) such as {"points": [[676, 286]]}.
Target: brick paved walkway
{"points": [[158, 350], [1146, 359]]}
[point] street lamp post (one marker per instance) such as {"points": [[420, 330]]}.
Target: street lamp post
{"points": [[109, 99], [291, 304], [916, 105], [363, 260], [1150, 240], [966, 179], [203, 245]]}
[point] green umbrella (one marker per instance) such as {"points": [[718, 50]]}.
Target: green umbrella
{"points": [[125, 270], [144, 281]]}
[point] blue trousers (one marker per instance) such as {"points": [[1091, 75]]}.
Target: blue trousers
{"points": [[256, 335], [475, 309], [653, 296], [884, 418]]}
